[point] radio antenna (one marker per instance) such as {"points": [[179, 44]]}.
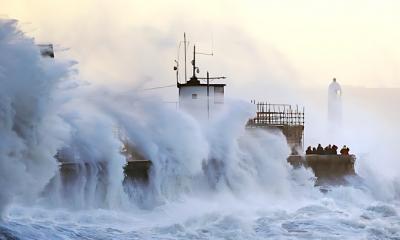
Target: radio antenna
{"points": [[184, 43]]}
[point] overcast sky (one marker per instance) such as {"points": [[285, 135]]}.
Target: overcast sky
{"points": [[256, 43], [270, 50]]}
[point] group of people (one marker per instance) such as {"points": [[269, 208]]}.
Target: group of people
{"points": [[328, 150]]}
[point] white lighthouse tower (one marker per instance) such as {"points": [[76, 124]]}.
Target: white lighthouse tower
{"points": [[202, 100], [334, 104]]}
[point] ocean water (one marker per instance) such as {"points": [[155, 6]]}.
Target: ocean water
{"points": [[343, 213], [208, 181]]}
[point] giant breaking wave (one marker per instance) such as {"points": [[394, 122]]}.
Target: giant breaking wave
{"points": [[209, 180]]}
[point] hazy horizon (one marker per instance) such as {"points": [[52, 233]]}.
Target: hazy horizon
{"points": [[261, 44]]}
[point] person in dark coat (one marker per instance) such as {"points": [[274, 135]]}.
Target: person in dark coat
{"points": [[314, 150], [334, 149], [309, 150], [328, 150], [320, 150], [345, 150]]}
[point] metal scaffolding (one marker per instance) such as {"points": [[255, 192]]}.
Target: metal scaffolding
{"points": [[289, 119], [277, 115]]}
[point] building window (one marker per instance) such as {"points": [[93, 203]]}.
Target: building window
{"points": [[194, 96]]}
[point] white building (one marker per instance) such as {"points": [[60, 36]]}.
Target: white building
{"points": [[201, 100], [335, 103]]}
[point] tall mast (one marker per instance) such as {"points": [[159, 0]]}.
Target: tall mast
{"points": [[208, 96], [184, 42], [194, 62]]}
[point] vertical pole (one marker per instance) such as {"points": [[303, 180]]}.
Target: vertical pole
{"points": [[194, 61], [177, 77], [184, 42], [303, 126], [208, 96]]}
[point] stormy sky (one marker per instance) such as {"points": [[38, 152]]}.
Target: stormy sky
{"points": [[256, 43]]}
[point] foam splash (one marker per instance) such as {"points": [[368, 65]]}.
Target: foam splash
{"points": [[30, 128], [187, 155]]}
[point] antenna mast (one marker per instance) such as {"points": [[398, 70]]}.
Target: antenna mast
{"points": [[194, 63], [184, 42]]}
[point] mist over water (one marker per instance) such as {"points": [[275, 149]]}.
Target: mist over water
{"points": [[210, 180], [31, 130]]}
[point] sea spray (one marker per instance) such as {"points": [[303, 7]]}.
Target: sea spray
{"points": [[94, 154], [171, 140], [30, 129], [38, 121], [189, 157]]}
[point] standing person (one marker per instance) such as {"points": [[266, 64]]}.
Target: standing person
{"points": [[309, 150], [320, 150], [328, 150], [344, 150], [347, 151], [334, 149], [314, 150]]}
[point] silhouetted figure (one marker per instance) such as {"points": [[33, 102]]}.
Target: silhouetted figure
{"points": [[328, 150], [334, 149], [309, 150], [314, 150], [320, 150], [345, 150]]}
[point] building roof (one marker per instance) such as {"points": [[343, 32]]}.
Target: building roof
{"points": [[195, 82], [180, 85]]}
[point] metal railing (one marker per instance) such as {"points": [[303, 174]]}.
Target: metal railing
{"points": [[277, 115]]}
